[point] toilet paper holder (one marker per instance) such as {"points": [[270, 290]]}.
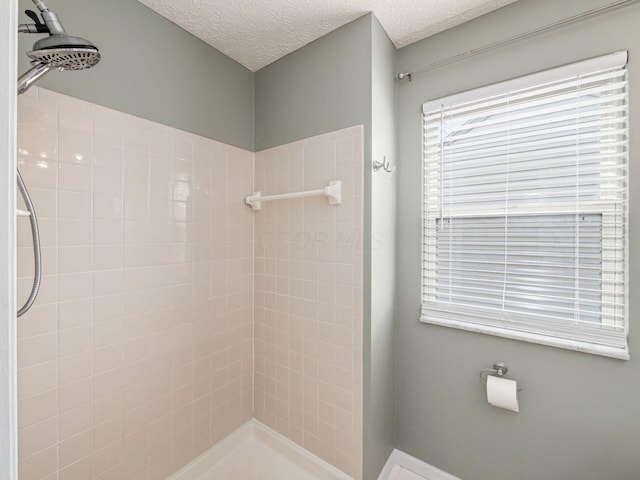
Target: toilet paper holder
{"points": [[499, 370]]}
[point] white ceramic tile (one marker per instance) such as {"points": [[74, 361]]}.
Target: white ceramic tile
{"points": [[76, 205], [38, 379], [75, 176], [108, 128], [39, 172], [107, 156]]}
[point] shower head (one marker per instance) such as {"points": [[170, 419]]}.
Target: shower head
{"points": [[66, 52], [58, 50]]}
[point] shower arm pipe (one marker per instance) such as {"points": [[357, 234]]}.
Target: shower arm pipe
{"points": [[523, 36], [37, 259], [32, 28], [40, 5], [32, 76], [333, 192]]}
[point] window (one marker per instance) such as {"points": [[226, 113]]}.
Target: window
{"points": [[525, 208]]}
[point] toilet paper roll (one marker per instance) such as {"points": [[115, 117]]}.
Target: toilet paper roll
{"points": [[503, 393]]}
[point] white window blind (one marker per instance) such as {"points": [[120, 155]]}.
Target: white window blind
{"points": [[525, 208]]}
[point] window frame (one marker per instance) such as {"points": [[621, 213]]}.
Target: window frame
{"points": [[617, 59]]}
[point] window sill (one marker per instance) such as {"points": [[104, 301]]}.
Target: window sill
{"points": [[613, 352]]}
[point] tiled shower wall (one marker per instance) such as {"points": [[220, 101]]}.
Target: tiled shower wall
{"points": [[308, 297], [138, 354]]}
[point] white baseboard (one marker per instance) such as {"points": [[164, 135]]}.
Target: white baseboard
{"points": [[399, 460]]}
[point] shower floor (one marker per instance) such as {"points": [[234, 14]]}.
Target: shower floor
{"points": [[255, 452]]}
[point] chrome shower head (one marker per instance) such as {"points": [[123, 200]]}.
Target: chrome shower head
{"points": [[58, 50], [66, 52]]}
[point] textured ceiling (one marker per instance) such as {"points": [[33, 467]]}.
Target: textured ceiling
{"points": [[258, 32]]}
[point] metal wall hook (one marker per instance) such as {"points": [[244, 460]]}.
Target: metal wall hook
{"points": [[385, 165]]}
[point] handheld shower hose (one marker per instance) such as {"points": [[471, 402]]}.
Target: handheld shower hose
{"points": [[37, 256]]}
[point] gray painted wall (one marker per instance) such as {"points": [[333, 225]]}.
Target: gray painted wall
{"points": [[321, 87], [153, 69], [579, 412], [379, 420]]}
